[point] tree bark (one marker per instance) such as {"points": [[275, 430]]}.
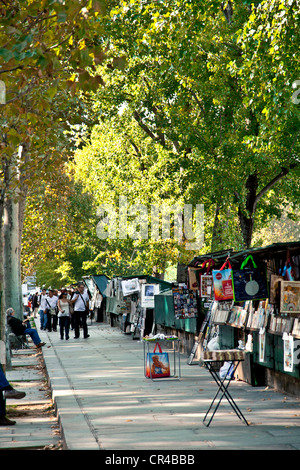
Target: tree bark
{"points": [[2, 312], [247, 214], [11, 256], [217, 233]]}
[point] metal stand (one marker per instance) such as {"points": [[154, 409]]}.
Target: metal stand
{"points": [[223, 385], [176, 353]]}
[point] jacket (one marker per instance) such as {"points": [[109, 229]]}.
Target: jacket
{"points": [[16, 325]]}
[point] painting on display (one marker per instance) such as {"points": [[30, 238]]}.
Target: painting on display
{"points": [[289, 297]]}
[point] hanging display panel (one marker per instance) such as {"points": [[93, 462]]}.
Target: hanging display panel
{"points": [[185, 303]]}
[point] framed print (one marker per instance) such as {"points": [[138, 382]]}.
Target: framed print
{"points": [[289, 297]]}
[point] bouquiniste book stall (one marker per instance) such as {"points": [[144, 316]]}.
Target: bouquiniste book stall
{"points": [[130, 303], [254, 303]]}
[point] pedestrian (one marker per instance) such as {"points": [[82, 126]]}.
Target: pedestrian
{"points": [[71, 294], [35, 304], [51, 311], [25, 306], [80, 300], [7, 391], [42, 308], [63, 305], [20, 328]]}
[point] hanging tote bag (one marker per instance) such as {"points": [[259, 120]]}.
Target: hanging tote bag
{"points": [[222, 282], [157, 365], [249, 283]]}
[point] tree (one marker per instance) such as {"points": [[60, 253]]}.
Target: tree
{"points": [[43, 50], [186, 74], [119, 160]]}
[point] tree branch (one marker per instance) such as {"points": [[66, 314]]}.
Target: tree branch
{"points": [[284, 172]]}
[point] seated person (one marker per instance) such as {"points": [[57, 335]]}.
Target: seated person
{"points": [[20, 328], [7, 391]]}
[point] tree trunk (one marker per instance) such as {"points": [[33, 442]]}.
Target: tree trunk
{"points": [[217, 232], [2, 312], [181, 272], [246, 224], [12, 252], [247, 214]]}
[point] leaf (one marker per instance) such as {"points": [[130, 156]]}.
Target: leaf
{"points": [[6, 54]]}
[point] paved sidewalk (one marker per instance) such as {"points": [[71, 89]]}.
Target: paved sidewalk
{"points": [[104, 402]]}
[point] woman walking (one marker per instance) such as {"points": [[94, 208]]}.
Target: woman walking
{"points": [[63, 315]]}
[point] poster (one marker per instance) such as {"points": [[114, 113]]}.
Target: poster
{"points": [[288, 352], [147, 295], [185, 303], [262, 344], [289, 297], [206, 285]]}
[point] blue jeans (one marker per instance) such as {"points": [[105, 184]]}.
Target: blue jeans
{"points": [[64, 326], [43, 319], [3, 384], [32, 332], [3, 380]]}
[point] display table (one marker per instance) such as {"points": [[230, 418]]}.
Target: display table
{"points": [[212, 361], [149, 346]]}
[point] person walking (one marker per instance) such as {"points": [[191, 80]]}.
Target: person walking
{"points": [[42, 308], [20, 328], [51, 311], [35, 304], [7, 391], [80, 301], [63, 305]]}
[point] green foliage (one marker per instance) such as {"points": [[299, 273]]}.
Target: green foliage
{"points": [[192, 104]]}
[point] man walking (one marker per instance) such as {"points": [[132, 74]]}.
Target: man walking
{"points": [[80, 301], [42, 308], [51, 310]]}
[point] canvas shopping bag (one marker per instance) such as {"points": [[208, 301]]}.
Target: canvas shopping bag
{"points": [[193, 278], [157, 365], [222, 282], [249, 283]]}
